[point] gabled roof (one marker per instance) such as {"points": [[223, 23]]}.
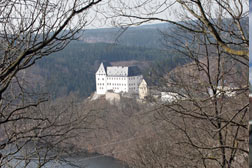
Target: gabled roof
{"points": [[106, 68], [117, 71], [101, 70], [143, 82], [123, 71]]}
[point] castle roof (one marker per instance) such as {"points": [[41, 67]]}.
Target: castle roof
{"points": [[120, 70], [143, 82], [101, 70], [134, 71]]}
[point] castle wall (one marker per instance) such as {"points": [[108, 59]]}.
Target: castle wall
{"points": [[117, 84], [143, 90], [112, 97], [101, 84], [116, 79], [134, 82]]}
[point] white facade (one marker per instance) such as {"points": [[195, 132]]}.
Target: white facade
{"points": [[117, 79], [143, 90], [170, 97], [227, 91]]}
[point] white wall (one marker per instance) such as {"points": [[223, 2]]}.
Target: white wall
{"points": [[117, 84], [112, 97], [134, 82], [169, 97], [101, 84], [143, 90], [227, 91]]}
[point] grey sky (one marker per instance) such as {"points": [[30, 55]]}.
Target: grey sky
{"points": [[108, 11]]}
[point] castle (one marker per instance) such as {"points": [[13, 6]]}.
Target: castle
{"points": [[120, 79]]}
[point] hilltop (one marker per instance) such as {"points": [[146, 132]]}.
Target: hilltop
{"points": [[73, 69]]}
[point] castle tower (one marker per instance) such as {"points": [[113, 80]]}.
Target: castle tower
{"points": [[101, 80]]}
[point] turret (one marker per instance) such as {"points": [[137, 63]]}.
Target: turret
{"points": [[101, 80]]}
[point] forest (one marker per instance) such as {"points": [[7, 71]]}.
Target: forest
{"points": [[73, 69]]}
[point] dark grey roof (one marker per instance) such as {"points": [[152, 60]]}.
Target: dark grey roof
{"points": [[133, 71], [106, 64], [121, 70]]}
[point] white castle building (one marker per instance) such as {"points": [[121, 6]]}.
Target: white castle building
{"points": [[118, 79]]}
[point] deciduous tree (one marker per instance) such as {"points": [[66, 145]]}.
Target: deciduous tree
{"points": [[209, 122], [30, 30]]}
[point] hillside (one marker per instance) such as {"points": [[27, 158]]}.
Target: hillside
{"points": [[73, 69], [231, 74], [148, 36]]}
